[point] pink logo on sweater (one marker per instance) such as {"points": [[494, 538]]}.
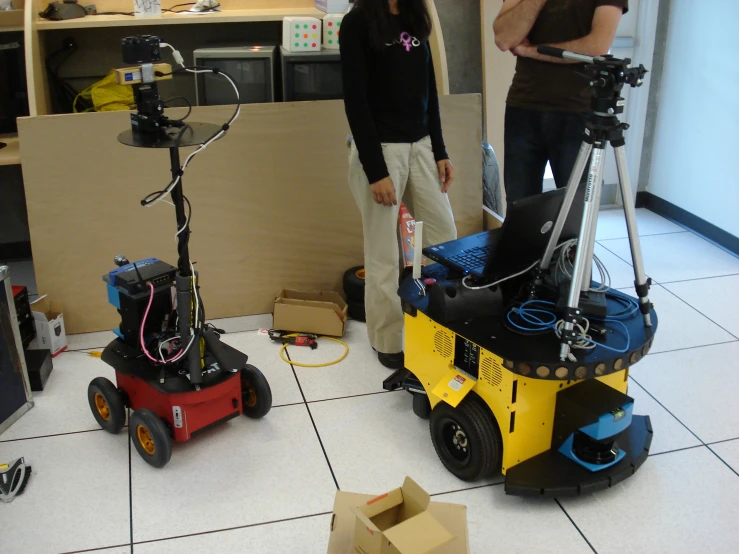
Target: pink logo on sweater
{"points": [[407, 41]]}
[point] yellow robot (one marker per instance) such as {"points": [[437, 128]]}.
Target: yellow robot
{"points": [[500, 401]]}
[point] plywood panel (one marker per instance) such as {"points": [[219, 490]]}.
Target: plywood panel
{"points": [[271, 207]]}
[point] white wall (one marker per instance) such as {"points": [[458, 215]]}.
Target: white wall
{"points": [[695, 159]]}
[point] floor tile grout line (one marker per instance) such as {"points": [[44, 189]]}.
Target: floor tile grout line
{"points": [[238, 527], [722, 460], [691, 347], [50, 435], [273, 407], [668, 411], [674, 451], [697, 310], [130, 486], [313, 422], [700, 279], [351, 396], [722, 441], [97, 549], [474, 488], [644, 236], [576, 526]]}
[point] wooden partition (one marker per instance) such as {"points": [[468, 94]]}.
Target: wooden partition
{"points": [[271, 206]]}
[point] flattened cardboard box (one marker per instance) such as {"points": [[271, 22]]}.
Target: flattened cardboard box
{"points": [[440, 529], [316, 312]]}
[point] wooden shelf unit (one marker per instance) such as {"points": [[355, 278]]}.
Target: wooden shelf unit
{"points": [[12, 20], [233, 11], [224, 16]]}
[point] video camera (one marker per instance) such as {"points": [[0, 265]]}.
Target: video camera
{"points": [[145, 51]]}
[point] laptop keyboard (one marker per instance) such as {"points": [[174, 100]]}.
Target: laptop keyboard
{"points": [[472, 258]]}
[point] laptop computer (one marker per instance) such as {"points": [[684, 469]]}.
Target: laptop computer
{"points": [[518, 243]]}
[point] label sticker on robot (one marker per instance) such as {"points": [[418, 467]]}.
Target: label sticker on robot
{"points": [[457, 383], [132, 76], [177, 413], [621, 103]]}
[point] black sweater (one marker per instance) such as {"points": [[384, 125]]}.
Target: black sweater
{"points": [[390, 94]]}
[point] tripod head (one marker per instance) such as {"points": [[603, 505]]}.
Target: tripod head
{"points": [[607, 76]]}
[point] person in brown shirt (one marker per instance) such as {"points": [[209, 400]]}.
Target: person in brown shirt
{"points": [[543, 120]]}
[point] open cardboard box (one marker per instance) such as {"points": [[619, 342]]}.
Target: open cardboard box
{"points": [[402, 521], [316, 312], [50, 332]]}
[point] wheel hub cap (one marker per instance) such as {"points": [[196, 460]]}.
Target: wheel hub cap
{"points": [[146, 440], [102, 406]]}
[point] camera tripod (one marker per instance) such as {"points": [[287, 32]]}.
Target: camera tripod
{"points": [[607, 75]]}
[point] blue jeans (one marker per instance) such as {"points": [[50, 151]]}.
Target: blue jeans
{"points": [[532, 139]]}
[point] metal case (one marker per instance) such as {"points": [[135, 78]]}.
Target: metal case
{"points": [[15, 388]]}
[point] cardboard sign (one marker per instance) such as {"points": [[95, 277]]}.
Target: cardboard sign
{"points": [[316, 312]]}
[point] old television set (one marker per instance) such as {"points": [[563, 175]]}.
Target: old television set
{"points": [[310, 76], [252, 67]]}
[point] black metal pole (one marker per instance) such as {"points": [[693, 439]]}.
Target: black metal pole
{"points": [[185, 289], [183, 252]]}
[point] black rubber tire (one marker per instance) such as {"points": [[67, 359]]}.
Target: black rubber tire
{"points": [[354, 284], [481, 451], [114, 405], [357, 311], [160, 440], [421, 406], [256, 394]]}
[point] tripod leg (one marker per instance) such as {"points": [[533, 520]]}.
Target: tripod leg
{"points": [[572, 184], [585, 245], [590, 238], [640, 279]]}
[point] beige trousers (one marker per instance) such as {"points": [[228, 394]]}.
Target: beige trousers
{"points": [[416, 178]]}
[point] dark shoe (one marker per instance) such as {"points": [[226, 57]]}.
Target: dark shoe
{"points": [[392, 361]]}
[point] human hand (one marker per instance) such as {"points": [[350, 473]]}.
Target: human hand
{"points": [[383, 192], [525, 49], [446, 174]]}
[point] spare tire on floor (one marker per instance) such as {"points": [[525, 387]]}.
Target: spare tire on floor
{"points": [[356, 310], [354, 284]]}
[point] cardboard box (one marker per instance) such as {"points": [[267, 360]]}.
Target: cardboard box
{"points": [[333, 6], [50, 333], [316, 312], [400, 524]]}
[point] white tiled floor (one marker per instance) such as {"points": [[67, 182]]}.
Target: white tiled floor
{"points": [[267, 486]]}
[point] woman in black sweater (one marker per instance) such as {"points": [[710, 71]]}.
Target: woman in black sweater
{"points": [[397, 153]]}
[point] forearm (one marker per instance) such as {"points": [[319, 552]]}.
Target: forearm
{"points": [[590, 45], [512, 26]]}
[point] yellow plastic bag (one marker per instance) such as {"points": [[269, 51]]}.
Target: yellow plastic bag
{"points": [[107, 95]]}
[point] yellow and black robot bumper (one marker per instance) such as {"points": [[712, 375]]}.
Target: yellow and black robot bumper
{"points": [[503, 402]]}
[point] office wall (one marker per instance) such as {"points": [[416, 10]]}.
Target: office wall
{"points": [[694, 151], [460, 23]]}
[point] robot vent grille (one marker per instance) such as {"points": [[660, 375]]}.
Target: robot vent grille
{"points": [[491, 371], [443, 344]]}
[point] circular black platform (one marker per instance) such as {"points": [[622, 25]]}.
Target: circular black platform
{"points": [[194, 135]]}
